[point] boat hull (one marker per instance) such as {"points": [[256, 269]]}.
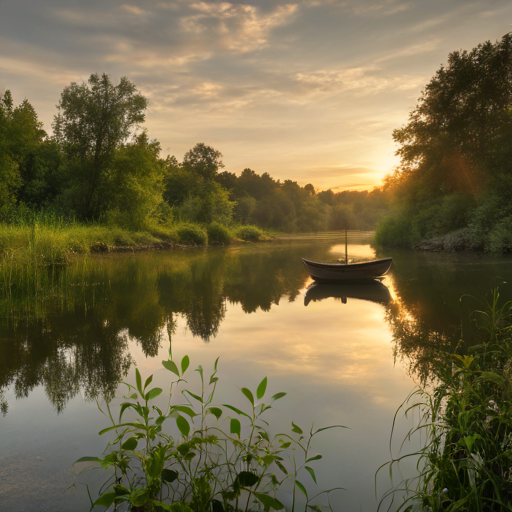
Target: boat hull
{"points": [[370, 290], [327, 273]]}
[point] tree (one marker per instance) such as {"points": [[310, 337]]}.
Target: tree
{"points": [[94, 120], [134, 184], [204, 161], [449, 143], [10, 179]]}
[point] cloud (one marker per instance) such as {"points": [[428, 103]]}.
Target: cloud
{"points": [[361, 80], [363, 7], [238, 27], [416, 49]]}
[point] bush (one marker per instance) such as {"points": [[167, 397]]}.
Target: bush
{"points": [[249, 233], [397, 231], [191, 234], [500, 238], [218, 234]]}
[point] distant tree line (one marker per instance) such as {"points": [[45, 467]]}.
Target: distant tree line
{"points": [[455, 175], [100, 165]]}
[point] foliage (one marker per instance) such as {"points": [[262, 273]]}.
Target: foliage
{"points": [[455, 150], [102, 166], [134, 184], [209, 463], [218, 234], [397, 230], [94, 119], [465, 463], [249, 233], [191, 234]]}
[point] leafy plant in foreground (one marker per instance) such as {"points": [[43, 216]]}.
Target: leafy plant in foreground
{"points": [[211, 463], [466, 463]]}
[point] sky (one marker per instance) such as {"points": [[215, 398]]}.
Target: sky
{"points": [[307, 90]]}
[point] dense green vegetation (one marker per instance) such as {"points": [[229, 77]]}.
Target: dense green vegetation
{"points": [[466, 422], [101, 181], [455, 175]]}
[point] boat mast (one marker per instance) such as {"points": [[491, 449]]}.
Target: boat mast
{"points": [[346, 248]]}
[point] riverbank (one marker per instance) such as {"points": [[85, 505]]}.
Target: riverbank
{"points": [[56, 243], [456, 241]]}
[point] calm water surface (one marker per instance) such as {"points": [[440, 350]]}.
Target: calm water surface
{"points": [[345, 355]]}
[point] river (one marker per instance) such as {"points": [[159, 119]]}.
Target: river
{"points": [[346, 356]]}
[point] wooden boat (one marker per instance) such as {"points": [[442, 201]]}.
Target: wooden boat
{"points": [[335, 273], [370, 290]]}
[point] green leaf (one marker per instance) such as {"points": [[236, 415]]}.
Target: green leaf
{"points": [[160, 420], [264, 435], [248, 394], [169, 475], [216, 411], [261, 388], [138, 379], [105, 500], [238, 411], [130, 444], [148, 381], [183, 425], [312, 473], [296, 429], [184, 409], [171, 366], [153, 393], [185, 362], [197, 397], [215, 365], [269, 501], [302, 488], [88, 459], [316, 457], [277, 396], [123, 408], [139, 497], [247, 478], [327, 428], [281, 467], [108, 429], [235, 427]]}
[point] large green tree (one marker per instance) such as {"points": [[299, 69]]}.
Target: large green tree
{"points": [[450, 143], [95, 118]]}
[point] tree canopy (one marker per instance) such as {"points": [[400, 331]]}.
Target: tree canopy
{"points": [[456, 151], [95, 118], [101, 165]]}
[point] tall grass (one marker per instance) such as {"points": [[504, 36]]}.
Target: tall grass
{"points": [[466, 462], [54, 241]]}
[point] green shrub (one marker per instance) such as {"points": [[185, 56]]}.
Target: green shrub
{"points": [[191, 234], [397, 231], [249, 233], [500, 237], [218, 234]]}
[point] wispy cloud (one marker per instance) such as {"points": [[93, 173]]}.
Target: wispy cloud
{"points": [[362, 81]]}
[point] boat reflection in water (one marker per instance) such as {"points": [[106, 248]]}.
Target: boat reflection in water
{"points": [[373, 291]]}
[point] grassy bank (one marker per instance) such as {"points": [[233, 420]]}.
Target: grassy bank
{"points": [[50, 243]]}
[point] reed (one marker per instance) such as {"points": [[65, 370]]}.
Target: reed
{"points": [[53, 241], [466, 417]]}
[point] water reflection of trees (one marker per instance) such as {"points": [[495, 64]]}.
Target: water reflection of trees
{"points": [[69, 331], [431, 314]]}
